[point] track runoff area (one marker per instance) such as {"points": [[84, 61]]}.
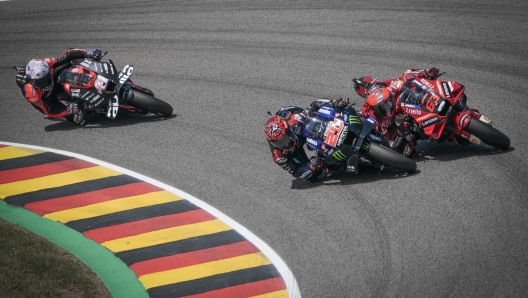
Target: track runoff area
{"points": [[141, 237]]}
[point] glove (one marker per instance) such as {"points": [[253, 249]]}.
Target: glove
{"points": [[404, 128], [431, 73], [340, 103], [77, 112], [94, 54], [21, 78], [316, 163]]}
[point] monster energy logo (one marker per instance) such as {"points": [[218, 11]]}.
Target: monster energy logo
{"points": [[339, 155], [354, 120], [365, 146]]}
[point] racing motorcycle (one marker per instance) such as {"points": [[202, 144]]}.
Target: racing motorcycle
{"points": [[438, 111], [103, 89], [344, 140]]}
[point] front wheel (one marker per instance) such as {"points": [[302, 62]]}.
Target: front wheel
{"points": [[488, 134], [390, 157], [150, 103]]}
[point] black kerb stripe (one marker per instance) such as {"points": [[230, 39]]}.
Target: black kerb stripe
{"points": [[72, 189], [178, 247], [132, 215], [215, 282], [32, 160]]}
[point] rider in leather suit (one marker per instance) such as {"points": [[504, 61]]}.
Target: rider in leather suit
{"points": [[382, 103], [37, 82], [284, 134]]}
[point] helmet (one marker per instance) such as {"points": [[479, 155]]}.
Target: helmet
{"points": [[278, 133], [38, 73], [381, 102]]}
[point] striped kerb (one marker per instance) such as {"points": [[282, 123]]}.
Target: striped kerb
{"points": [[175, 248]]}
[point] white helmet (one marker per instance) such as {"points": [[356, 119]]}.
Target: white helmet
{"points": [[38, 73]]}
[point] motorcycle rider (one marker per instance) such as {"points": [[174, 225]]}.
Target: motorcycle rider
{"points": [[284, 134], [37, 82], [382, 102]]}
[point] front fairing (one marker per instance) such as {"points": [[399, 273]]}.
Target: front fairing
{"points": [[426, 107], [417, 95], [314, 128], [91, 82]]}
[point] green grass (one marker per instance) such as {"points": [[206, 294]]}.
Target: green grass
{"points": [[31, 266]]}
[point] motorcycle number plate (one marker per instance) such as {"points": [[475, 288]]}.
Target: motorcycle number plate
{"points": [[334, 131]]}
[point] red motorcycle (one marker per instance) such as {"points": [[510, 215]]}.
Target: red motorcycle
{"points": [[437, 110]]}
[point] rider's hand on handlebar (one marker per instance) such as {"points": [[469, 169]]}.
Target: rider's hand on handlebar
{"points": [[21, 77], [404, 128], [94, 54], [340, 103], [316, 163], [432, 73]]}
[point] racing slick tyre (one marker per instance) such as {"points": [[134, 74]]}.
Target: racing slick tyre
{"points": [[150, 103], [488, 134], [390, 157]]}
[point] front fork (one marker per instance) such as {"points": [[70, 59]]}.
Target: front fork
{"points": [[462, 119]]}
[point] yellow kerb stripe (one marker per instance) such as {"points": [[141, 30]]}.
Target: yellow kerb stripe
{"points": [[276, 294], [113, 206], [14, 152], [203, 270], [56, 180], [166, 235]]}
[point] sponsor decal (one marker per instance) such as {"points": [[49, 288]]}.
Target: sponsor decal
{"points": [[463, 120], [299, 117], [86, 63], [354, 119], [342, 136], [90, 95], [441, 106], [413, 111], [325, 111], [446, 90], [281, 160], [408, 105], [125, 74], [95, 98], [430, 121], [305, 174], [426, 83], [311, 141]]}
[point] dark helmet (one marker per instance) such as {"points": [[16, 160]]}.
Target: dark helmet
{"points": [[381, 102], [278, 133], [38, 73]]}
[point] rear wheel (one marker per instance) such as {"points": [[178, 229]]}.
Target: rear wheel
{"points": [[150, 103], [391, 158], [488, 134]]}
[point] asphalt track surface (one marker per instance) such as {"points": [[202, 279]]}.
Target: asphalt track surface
{"points": [[456, 228]]}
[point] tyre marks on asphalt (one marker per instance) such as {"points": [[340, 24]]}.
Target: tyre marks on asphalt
{"points": [[175, 248]]}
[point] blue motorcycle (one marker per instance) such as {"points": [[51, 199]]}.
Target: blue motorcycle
{"points": [[343, 138]]}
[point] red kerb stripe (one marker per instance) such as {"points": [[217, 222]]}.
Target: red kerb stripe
{"points": [[88, 198], [148, 225], [245, 290], [43, 170], [194, 258]]}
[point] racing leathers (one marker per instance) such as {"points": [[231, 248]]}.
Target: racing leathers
{"points": [[395, 128], [45, 100], [295, 160]]}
